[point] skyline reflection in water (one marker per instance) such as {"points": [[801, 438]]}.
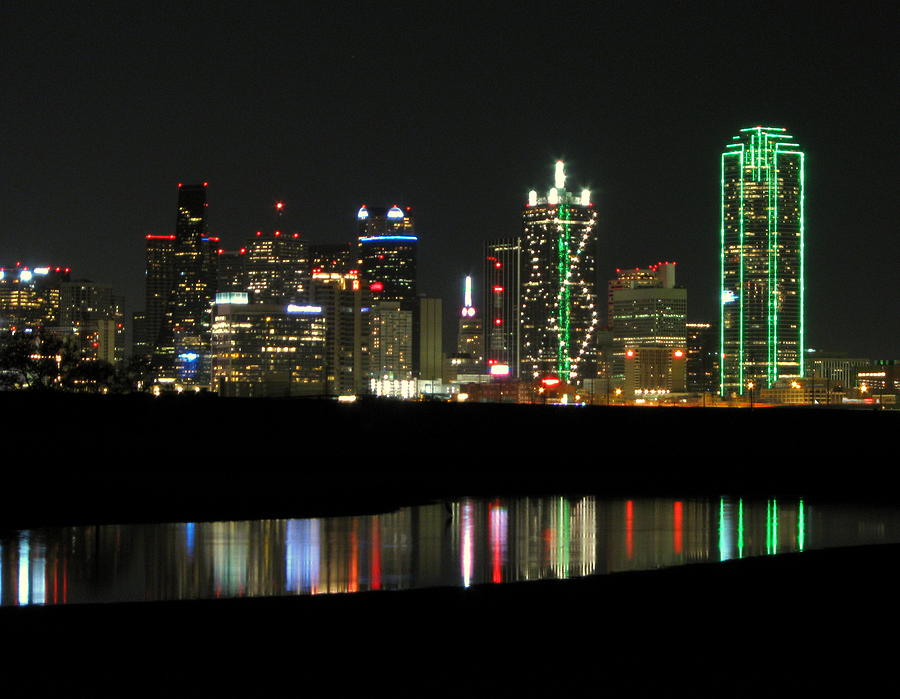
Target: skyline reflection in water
{"points": [[465, 543]]}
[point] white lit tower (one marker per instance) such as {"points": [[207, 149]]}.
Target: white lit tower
{"points": [[558, 294], [469, 345]]}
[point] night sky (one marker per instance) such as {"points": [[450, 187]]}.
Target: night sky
{"points": [[456, 112]]}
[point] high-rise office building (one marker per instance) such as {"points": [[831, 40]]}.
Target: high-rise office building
{"points": [[185, 336], [654, 276], [431, 339], [152, 325], [501, 294], [648, 330], [649, 312], [761, 334], [231, 270], [559, 313], [392, 346], [328, 258], [702, 357], [89, 313], [387, 254], [30, 297], [387, 259], [267, 349], [346, 308], [277, 267]]}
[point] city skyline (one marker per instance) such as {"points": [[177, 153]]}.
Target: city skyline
{"points": [[659, 90]]}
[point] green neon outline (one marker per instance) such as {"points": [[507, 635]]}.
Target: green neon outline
{"points": [[722, 274], [765, 145], [772, 286], [565, 535], [763, 128], [740, 527], [563, 356], [741, 282], [801, 527], [802, 369]]}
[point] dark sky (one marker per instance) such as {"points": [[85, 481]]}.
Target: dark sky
{"points": [[456, 112]]}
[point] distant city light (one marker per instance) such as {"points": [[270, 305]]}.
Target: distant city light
{"points": [[369, 239], [225, 297], [293, 308]]}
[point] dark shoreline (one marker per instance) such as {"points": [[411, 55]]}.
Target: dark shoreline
{"points": [[777, 623], [75, 459], [768, 626]]}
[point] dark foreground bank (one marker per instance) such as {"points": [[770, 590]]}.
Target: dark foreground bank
{"points": [[78, 459], [789, 625]]}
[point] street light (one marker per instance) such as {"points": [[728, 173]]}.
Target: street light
{"points": [[751, 386]]}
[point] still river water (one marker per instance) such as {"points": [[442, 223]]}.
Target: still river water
{"points": [[460, 543]]}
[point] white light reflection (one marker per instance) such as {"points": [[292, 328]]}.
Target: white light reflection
{"points": [[24, 568], [726, 530], [467, 541]]}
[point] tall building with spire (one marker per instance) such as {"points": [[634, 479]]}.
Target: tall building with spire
{"points": [[761, 333], [469, 356], [559, 313]]}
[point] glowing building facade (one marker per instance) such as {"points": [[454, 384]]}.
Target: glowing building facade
{"points": [[761, 333], [346, 307], [392, 346], [469, 355], [501, 295], [267, 349], [277, 267], [558, 284], [30, 297], [387, 259]]}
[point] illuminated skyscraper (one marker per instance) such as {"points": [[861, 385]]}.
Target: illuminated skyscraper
{"points": [[761, 267], [500, 305], [30, 297], [277, 267], [387, 254], [388, 249], [267, 349], [346, 309], [469, 356], [151, 328], [559, 296], [184, 340]]}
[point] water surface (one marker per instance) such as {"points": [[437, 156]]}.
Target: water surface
{"points": [[461, 543]]}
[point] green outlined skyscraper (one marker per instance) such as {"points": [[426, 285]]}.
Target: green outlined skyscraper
{"points": [[761, 264], [558, 305]]}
